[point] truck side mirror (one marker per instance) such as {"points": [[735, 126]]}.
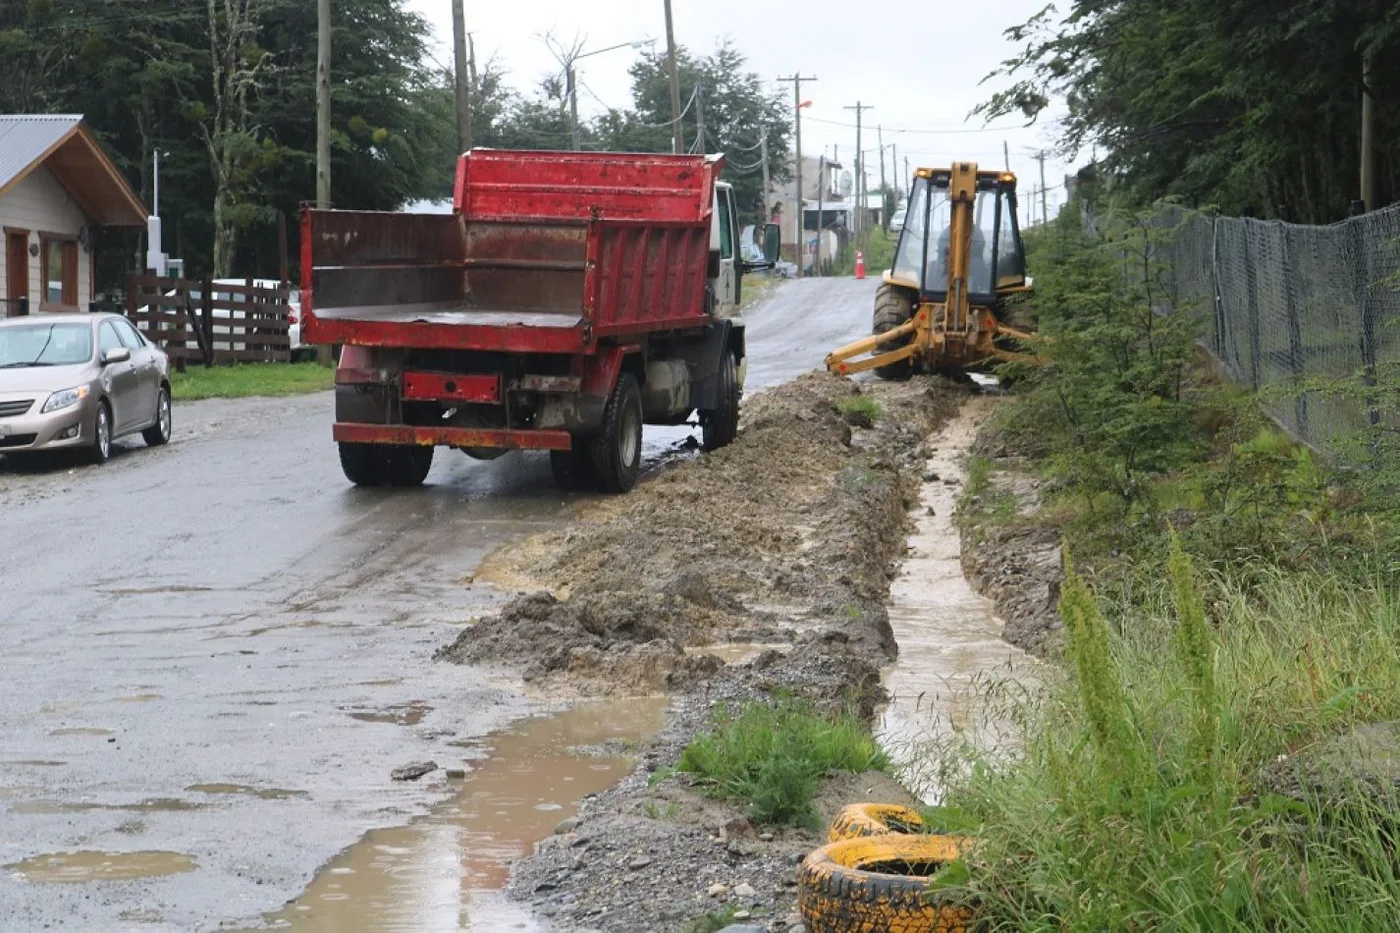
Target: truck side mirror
{"points": [[772, 242]]}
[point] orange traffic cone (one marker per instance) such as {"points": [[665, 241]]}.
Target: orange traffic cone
{"points": [[860, 264]]}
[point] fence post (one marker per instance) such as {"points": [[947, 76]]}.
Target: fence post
{"points": [[1295, 330], [1252, 304], [206, 315], [1367, 313], [1217, 300]]}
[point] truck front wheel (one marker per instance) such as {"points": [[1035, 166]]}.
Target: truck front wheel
{"points": [[720, 425], [617, 449]]}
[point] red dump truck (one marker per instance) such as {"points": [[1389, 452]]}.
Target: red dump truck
{"points": [[568, 299]]}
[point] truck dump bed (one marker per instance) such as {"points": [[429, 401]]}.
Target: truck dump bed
{"points": [[544, 252]]}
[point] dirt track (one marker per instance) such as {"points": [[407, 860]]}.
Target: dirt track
{"points": [[787, 539]]}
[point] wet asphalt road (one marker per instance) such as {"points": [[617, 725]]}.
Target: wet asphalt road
{"points": [[228, 611]]}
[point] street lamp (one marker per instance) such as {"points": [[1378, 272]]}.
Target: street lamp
{"points": [[573, 80]]}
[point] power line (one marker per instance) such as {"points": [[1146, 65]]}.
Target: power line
{"points": [[947, 132]]}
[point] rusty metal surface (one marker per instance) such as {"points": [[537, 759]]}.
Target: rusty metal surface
{"points": [[509, 185], [444, 387], [450, 437]]}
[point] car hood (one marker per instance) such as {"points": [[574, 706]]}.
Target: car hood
{"points": [[45, 378]]}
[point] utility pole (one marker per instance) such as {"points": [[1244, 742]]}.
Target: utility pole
{"points": [[860, 109], [677, 133], [884, 205], [323, 104], [797, 80], [821, 209], [894, 167], [1044, 211], [324, 354], [1006, 151], [700, 119], [1370, 183], [767, 185], [572, 89], [464, 99]]}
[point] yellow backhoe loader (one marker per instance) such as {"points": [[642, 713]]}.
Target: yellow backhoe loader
{"points": [[942, 307]]}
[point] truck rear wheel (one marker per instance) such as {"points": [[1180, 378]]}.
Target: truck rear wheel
{"points": [[385, 464], [719, 426], [617, 449], [572, 469], [893, 308], [408, 465], [363, 464]]}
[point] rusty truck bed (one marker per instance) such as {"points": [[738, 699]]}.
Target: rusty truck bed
{"points": [[544, 252]]}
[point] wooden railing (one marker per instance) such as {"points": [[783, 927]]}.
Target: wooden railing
{"points": [[211, 323]]}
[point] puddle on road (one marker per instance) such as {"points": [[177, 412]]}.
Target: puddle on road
{"points": [[80, 731], [950, 646], [263, 793], [73, 867], [154, 805], [139, 698], [444, 872], [407, 714]]}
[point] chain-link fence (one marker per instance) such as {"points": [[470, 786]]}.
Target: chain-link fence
{"points": [[1285, 307]]}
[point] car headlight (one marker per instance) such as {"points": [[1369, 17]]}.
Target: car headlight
{"points": [[65, 399]]}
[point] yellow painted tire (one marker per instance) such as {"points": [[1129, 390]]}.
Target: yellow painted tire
{"points": [[879, 884], [874, 819]]}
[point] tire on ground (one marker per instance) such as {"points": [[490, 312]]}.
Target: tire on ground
{"points": [[879, 883], [617, 449], [894, 306], [720, 425], [572, 469], [408, 464], [874, 819], [363, 465]]}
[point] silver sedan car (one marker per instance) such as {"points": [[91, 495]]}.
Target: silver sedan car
{"points": [[79, 381]]}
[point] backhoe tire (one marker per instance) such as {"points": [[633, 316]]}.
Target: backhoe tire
{"points": [[572, 469], [879, 883], [617, 450], [719, 426], [893, 308]]}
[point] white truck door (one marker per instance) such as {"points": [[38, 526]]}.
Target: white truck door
{"points": [[726, 283]]}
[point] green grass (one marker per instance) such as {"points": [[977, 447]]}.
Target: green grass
{"points": [[251, 379], [879, 255], [1136, 801], [714, 921], [860, 405], [771, 758]]}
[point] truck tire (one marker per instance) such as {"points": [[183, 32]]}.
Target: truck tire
{"points": [[408, 465], [617, 449], [572, 469], [893, 307], [719, 426], [363, 464]]}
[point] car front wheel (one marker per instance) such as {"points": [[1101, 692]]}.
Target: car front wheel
{"points": [[101, 449]]}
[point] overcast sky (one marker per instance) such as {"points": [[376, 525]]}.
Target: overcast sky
{"points": [[928, 80]]}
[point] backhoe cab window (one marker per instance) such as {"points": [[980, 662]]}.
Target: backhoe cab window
{"points": [[909, 259]]}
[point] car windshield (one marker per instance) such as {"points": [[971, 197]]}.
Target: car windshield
{"points": [[37, 344]]}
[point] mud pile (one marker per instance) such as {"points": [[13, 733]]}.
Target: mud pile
{"points": [[788, 536]]}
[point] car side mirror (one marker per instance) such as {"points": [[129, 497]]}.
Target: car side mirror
{"points": [[116, 355]]}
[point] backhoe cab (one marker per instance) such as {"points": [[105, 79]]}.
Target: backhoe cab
{"points": [[942, 307]]}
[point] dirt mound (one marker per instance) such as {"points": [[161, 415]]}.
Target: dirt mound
{"points": [[793, 529]]}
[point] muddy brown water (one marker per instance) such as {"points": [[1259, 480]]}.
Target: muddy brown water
{"points": [[951, 655], [444, 872], [75, 867]]}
